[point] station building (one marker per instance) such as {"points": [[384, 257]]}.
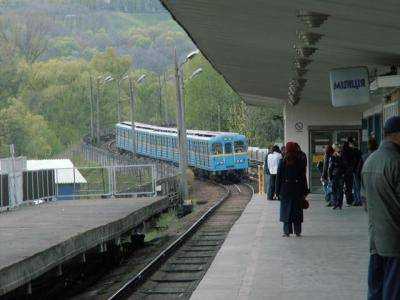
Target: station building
{"points": [[283, 52]]}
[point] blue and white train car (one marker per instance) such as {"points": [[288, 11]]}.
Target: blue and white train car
{"points": [[210, 153]]}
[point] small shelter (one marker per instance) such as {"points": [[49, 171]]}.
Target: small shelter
{"points": [[68, 179]]}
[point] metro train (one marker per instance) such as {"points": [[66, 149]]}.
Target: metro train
{"points": [[210, 154], [257, 154]]}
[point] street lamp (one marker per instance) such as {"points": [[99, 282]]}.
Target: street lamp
{"points": [[91, 109], [132, 101], [101, 80], [183, 153], [118, 82]]}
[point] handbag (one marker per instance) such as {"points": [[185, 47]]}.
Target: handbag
{"points": [[304, 203]]}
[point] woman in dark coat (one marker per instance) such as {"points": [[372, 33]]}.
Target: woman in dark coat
{"points": [[291, 186]]}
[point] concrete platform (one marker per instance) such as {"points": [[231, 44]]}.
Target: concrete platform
{"points": [[329, 262], [36, 239]]}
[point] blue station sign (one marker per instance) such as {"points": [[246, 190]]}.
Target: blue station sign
{"points": [[349, 86]]}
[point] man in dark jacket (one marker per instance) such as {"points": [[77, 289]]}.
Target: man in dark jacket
{"points": [[348, 161], [356, 160], [381, 187]]}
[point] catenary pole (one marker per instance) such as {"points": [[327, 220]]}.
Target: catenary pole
{"points": [[132, 101], [91, 109], [98, 112], [183, 163], [118, 100]]}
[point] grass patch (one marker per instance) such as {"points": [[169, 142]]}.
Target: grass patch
{"points": [[165, 221]]}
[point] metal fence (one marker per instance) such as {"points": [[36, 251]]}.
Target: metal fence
{"points": [[76, 183], [102, 157], [107, 181], [4, 191]]}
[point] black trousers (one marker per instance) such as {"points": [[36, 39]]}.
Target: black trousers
{"points": [[337, 191], [290, 228], [271, 186], [348, 187], [383, 278]]}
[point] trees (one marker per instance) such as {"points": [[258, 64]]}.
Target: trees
{"points": [[211, 104], [58, 90], [29, 133], [49, 51], [26, 33]]}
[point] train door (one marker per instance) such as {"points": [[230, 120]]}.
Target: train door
{"points": [[229, 157]]}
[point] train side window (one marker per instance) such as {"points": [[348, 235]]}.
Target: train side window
{"points": [[228, 148], [239, 147], [216, 148]]}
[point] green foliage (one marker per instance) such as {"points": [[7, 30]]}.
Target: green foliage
{"points": [[111, 63], [58, 90], [54, 58], [211, 104], [29, 133], [65, 47]]}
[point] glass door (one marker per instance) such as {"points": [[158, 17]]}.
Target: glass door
{"points": [[319, 139]]}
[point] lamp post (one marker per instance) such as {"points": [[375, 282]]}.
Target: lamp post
{"points": [[101, 80], [183, 153], [133, 104], [118, 101], [91, 109]]}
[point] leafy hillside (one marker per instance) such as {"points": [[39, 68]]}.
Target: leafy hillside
{"points": [[55, 54]]}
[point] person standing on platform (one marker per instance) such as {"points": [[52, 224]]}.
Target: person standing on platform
{"points": [[272, 163], [381, 187], [291, 188], [355, 162], [266, 170], [372, 147], [327, 185], [283, 150], [303, 158], [336, 173], [348, 161]]}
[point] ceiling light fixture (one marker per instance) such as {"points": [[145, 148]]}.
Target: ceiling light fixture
{"points": [[312, 19]]}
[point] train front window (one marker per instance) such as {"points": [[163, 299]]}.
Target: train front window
{"points": [[216, 148], [228, 148], [239, 147]]}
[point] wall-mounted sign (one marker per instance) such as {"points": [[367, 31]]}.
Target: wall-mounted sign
{"points": [[349, 86], [299, 126]]}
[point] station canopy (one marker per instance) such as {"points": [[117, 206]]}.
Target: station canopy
{"points": [[261, 46]]}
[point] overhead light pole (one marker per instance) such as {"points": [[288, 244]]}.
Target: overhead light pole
{"points": [[118, 100], [101, 80], [91, 109], [183, 153], [132, 97]]}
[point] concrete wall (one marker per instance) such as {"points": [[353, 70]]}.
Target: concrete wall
{"points": [[307, 115]]}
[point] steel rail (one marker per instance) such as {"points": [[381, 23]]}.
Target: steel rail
{"points": [[148, 270]]}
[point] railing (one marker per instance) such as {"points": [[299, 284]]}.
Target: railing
{"points": [[104, 182], [38, 186], [101, 157]]}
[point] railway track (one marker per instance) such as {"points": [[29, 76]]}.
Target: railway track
{"points": [[176, 272]]}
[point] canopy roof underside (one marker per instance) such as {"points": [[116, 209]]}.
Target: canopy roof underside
{"points": [[251, 43]]}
